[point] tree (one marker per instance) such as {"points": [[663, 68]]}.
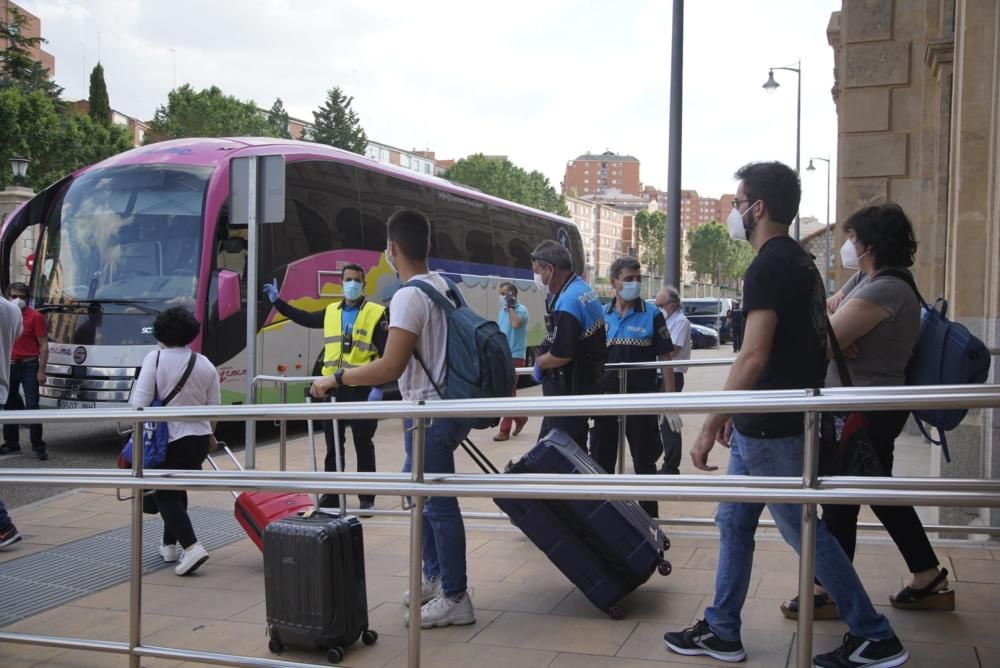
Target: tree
{"points": [[100, 107], [206, 113], [336, 124], [713, 254], [32, 125], [277, 120], [18, 68], [506, 180], [651, 229], [709, 250]]}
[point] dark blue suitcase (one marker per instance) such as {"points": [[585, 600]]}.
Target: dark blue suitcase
{"points": [[606, 548]]}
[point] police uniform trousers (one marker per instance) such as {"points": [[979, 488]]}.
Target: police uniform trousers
{"points": [[363, 432], [643, 434]]}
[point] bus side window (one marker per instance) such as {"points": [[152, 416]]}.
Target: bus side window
{"points": [[381, 195], [463, 229]]}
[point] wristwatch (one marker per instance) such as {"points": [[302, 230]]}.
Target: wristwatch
{"points": [[338, 376]]}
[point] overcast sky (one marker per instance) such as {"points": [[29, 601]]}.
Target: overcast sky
{"points": [[540, 81]]}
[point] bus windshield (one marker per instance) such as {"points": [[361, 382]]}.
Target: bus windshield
{"points": [[125, 234]]}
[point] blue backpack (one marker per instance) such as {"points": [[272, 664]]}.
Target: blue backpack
{"points": [[946, 353], [478, 358], [155, 435]]}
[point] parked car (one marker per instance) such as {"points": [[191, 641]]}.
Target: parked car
{"points": [[703, 337], [710, 312]]}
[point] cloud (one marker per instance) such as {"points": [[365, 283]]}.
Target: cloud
{"points": [[540, 82]]}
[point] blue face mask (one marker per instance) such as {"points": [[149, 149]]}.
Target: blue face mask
{"points": [[630, 290], [353, 290]]}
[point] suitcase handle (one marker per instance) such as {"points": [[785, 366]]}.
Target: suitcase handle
{"points": [[336, 454], [232, 457]]}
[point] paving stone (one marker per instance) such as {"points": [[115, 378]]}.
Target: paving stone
{"points": [[553, 632]]}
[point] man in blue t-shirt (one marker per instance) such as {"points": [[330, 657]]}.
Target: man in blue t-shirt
{"points": [[572, 356], [513, 322]]}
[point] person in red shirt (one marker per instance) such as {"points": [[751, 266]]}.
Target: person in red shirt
{"points": [[27, 371]]}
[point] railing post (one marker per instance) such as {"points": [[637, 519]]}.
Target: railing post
{"points": [[135, 575], [807, 551], [283, 431], [622, 389], [416, 542]]}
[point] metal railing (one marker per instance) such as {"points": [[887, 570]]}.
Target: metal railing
{"points": [[808, 491]]}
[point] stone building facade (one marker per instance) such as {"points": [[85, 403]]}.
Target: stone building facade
{"points": [[917, 88]]}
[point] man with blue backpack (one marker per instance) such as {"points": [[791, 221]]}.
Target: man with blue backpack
{"points": [[437, 348]]}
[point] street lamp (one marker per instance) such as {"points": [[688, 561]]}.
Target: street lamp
{"points": [[810, 168], [19, 166], [770, 86]]}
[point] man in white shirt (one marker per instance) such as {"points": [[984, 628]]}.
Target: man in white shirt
{"points": [[668, 300], [419, 328]]}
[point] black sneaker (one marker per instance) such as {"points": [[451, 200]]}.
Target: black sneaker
{"points": [[9, 535], [860, 652], [41, 455], [700, 639], [9, 448]]}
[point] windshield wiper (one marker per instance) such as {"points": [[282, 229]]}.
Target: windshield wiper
{"points": [[87, 303]]}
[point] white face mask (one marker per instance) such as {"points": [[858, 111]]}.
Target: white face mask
{"points": [[541, 284], [18, 302], [849, 255], [735, 224]]}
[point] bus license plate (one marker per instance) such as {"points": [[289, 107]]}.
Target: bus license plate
{"points": [[73, 403]]}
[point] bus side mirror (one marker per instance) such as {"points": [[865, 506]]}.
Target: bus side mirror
{"points": [[229, 294]]}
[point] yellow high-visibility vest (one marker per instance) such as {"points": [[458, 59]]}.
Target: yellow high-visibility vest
{"points": [[362, 349]]}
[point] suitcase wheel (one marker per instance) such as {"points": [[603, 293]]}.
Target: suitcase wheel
{"points": [[666, 543], [369, 637], [335, 655], [616, 613], [275, 645], [665, 567]]}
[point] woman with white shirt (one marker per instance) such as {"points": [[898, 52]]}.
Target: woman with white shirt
{"points": [[188, 442]]}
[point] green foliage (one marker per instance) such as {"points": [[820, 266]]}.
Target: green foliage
{"points": [[277, 120], [57, 144], [206, 113], [100, 106], [336, 124], [651, 229], [713, 254], [19, 69], [504, 179]]}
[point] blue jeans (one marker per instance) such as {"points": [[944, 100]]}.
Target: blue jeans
{"points": [[444, 530], [4, 517], [23, 375], [737, 524]]}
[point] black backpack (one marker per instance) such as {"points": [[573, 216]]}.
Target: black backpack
{"points": [[479, 364], [946, 353]]}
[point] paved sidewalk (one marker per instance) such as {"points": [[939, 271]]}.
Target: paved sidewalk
{"points": [[528, 614]]}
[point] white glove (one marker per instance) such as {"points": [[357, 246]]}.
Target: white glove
{"points": [[673, 420]]}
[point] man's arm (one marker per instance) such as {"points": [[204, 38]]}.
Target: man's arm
{"points": [[381, 335], [517, 320], [667, 372], [309, 319], [856, 318], [567, 330], [43, 357], [398, 351], [749, 364]]}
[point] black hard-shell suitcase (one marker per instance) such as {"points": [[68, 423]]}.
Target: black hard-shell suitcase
{"points": [[606, 548], [314, 583]]}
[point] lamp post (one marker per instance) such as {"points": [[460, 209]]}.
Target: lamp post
{"points": [[826, 233], [770, 86], [19, 166]]}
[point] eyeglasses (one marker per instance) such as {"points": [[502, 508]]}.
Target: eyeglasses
{"points": [[737, 202]]}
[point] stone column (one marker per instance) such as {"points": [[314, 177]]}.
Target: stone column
{"points": [[10, 198]]}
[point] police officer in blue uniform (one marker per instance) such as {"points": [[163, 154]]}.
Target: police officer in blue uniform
{"points": [[571, 359], [637, 332]]}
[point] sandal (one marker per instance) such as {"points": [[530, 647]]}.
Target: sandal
{"points": [[823, 607], [926, 598]]}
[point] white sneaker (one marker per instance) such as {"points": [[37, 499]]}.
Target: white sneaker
{"points": [[444, 611], [428, 590], [193, 557], [171, 553]]}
